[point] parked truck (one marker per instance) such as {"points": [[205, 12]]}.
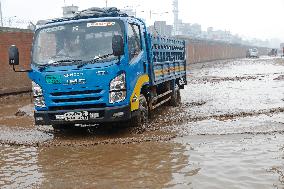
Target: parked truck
{"points": [[101, 66]]}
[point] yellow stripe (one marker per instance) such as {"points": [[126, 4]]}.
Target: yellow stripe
{"points": [[140, 82], [158, 72], [171, 69]]}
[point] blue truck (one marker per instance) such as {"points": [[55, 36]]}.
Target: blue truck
{"points": [[101, 66]]}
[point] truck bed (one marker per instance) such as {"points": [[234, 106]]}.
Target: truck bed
{"points": [[168, 59]]}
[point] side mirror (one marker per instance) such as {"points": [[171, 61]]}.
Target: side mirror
{"points": [[13, 55], [117, 45]]}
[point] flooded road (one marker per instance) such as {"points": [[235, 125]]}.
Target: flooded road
{"points": [[227, 133]]}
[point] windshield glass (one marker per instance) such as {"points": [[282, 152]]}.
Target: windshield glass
{"points": [[76, 41]]}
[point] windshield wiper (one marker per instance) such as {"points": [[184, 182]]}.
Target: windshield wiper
{"points": [[57, 63], [63, 61], [92, 61]]}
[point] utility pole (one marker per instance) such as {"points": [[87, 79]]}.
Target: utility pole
{"points": [[106, 3], [1, 16]]}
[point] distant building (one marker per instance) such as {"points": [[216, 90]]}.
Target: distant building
{"points": [[191, 30], [196, 29], [68, 11], [184, 29], [221, 35], [161, 28], [209, 30]]}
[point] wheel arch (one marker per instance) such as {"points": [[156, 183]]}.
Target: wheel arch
{"points": [[140, 87]]}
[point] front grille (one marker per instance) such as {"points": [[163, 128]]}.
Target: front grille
{"points": [[76, 92], [72, 95], [77, 107], [76, 99]]}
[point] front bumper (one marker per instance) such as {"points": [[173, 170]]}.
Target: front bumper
{"points": [[108, 114]]}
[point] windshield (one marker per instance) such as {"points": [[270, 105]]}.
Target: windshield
{"points": [[75, 42]]}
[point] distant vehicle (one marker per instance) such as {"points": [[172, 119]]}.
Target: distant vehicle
{"points": [[252, 53], [273, 52]]}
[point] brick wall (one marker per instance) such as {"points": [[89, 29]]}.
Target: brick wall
{"points": [[9, 80], [203, 50]]}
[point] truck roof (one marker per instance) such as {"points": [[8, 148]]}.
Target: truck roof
{"points": [[93, 12]]}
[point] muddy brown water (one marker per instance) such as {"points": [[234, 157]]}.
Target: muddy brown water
{"points": [[227, 133]]}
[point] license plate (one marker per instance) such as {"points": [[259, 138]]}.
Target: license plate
{"points": [[74, 116]]}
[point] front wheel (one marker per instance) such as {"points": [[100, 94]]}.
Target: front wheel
{"points": [[143, 113]]}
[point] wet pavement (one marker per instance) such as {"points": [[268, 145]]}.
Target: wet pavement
{"points": [[227, 133]]}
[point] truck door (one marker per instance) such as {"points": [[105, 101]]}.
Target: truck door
{"points": [[137, 55]]}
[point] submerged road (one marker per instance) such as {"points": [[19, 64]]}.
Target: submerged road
{"points": [[227, 133]]}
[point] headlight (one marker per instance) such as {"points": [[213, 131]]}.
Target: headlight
{"points": [[118, 83], [117, 89], [36, 89], [38, 95]]}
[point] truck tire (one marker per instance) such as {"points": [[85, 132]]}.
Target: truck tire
{"points": [[143, 113], [175, 98]]}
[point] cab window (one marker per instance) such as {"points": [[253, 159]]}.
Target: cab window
{"points": [[134, 41]]}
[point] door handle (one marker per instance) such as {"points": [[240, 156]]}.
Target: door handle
{"points": [[144, 66]]}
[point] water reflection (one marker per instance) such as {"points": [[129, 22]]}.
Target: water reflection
{"points": [[19, 167], [147, 165]]}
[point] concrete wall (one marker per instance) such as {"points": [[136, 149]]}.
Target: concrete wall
{"points": [[202, 51], [10, 81]]}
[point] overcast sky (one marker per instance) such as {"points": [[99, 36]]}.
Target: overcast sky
{"points": [[252, 18]]}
